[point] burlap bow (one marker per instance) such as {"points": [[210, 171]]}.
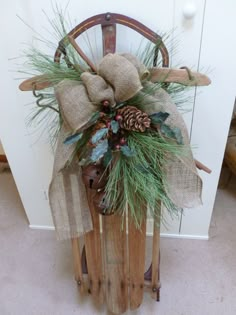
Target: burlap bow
{"points": [[119, 77]]}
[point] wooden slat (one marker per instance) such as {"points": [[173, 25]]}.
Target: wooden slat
{"points": [[113, 236], [181, 76], [109, 39], [93, 254], [115, 263], [39, 82], [137, 241], [77, 264], [155, 260]]}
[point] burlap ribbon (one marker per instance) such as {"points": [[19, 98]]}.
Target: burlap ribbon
{"points": [[119, 77]]}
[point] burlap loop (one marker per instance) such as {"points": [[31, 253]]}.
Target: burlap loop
{"points": [[119, 79], [97, 88], [67, 195], [122, 76], [142, 70], [75, 106]]}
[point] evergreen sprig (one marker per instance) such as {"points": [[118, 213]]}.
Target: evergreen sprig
{"points": [[138, 181]]}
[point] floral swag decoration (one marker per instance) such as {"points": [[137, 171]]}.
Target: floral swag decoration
{"points": [[122, 136]]}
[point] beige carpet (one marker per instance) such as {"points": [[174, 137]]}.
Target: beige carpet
{"points": [[4, 167], [36, 272]]}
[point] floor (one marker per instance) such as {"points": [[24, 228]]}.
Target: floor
{"points": [[36, 272]]}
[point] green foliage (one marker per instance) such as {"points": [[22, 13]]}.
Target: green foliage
{"points": [[71, 65], [99, 135], [142, 98], [94, 118], [44, 120], [99, 151], [178, 135], [40, 63], [73, 138], [115, 126], [179, 93], [159, 118], [140, 180], [37, 62], [127, 151], [107, 158], [82, 150], [174, 133], [146, 54], [181, 97]]}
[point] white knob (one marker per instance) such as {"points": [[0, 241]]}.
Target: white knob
{"points": [[189, 10]]}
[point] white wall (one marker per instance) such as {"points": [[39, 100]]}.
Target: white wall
{"points": [[22, 155], [31, 161]]}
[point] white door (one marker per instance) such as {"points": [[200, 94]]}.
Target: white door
{"points": [[31, 157]]}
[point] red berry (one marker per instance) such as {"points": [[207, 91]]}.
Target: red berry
{"points": [[122, 141], [117, 147], [108, 124], [118, 117], [106, 103]]}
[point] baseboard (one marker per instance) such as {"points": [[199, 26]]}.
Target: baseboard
{"points": [[179, 236], [42, 227], [186, 236]]}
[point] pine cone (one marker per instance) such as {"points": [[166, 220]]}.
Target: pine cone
{"points": [[134, 119]]}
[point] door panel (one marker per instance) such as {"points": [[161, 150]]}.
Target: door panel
{"points": [[213, 107]]}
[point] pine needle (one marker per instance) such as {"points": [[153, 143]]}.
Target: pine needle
{"points": [[139, 181]]}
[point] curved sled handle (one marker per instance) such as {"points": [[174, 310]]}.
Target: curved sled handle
{"points": [[106, 19]]}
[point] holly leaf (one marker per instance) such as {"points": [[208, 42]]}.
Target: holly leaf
{"points": [[107, 157], [159, 118], [92, 121], [94, 118], [178, 135], [167, 131], [73, 138], [174, 133], [115, 126], [127, 151], [99, 135], [119, 105], [99, 150]]}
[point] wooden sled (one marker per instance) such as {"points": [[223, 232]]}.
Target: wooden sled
{"points": [[111, 265]]}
